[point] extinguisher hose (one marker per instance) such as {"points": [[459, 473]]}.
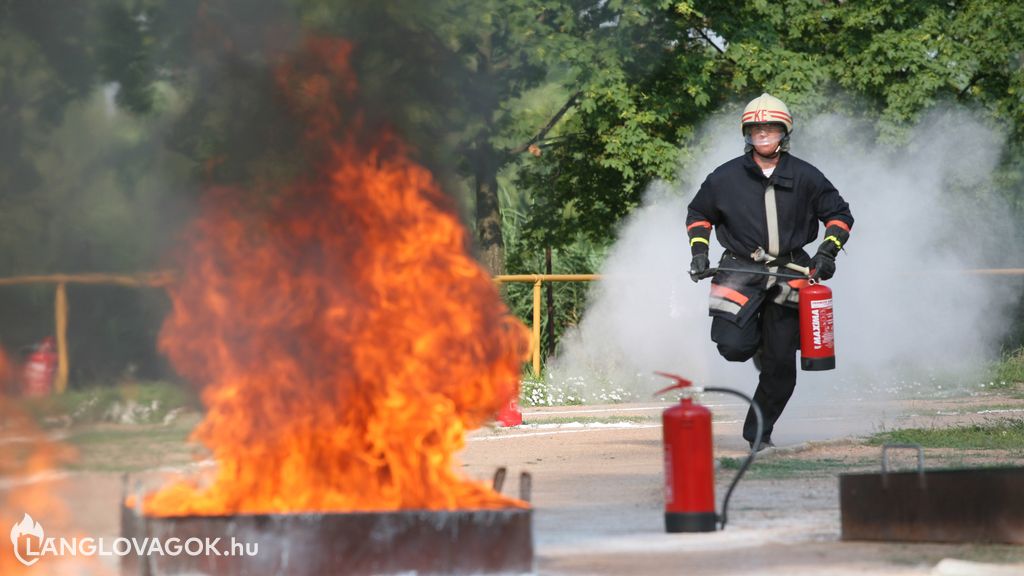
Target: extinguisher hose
{"points": [[753, 452]]}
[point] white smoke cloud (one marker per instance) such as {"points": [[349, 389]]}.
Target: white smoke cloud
{"points": [[909, 319]]}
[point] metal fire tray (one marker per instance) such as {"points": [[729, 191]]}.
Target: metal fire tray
{"points": [[984, 505], [419, 541]]}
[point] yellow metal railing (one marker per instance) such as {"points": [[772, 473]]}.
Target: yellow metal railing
{"points": [[163, 278], [997, 271], [537, 279], [60, 381]]}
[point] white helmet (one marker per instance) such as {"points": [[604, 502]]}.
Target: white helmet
{"points": [[766, 109]]}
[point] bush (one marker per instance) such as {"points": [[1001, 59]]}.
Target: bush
{"points": [[1009, 372]]}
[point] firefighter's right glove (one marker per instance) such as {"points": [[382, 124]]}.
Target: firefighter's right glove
{"points": [[699, 266], [824, 266]]}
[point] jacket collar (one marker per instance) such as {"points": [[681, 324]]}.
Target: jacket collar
{"points": [[782, 176]]}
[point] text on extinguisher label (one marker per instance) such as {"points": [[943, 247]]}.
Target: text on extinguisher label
{"points": [[821, 325]]}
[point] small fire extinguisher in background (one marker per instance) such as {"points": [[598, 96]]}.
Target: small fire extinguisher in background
{"points": [[689, 461], [817, 337], [39, 369], [509, 415]]}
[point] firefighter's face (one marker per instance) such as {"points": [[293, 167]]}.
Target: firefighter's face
{"points": [[765, 137]]}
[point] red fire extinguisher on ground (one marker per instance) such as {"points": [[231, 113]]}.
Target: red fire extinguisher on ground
{"points": [[40, 366], [817, 337], [689, 461], [509, 415]]}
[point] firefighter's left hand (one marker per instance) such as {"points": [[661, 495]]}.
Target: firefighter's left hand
{"points": [[699, 266], [824, 266]]}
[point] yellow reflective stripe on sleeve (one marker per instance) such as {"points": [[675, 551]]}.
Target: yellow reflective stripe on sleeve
{"points": [[704, 240], [835, 240]]}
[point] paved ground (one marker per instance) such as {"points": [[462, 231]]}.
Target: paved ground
{"points": [[597, 493]]}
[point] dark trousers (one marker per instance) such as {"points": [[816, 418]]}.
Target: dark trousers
{"points": [[776, 330]]}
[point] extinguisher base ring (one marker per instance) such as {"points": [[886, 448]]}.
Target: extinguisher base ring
{"points": [[816, 364], [691, 521]]}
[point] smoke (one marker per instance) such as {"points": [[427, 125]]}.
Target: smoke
{"points": [[910, 317]]}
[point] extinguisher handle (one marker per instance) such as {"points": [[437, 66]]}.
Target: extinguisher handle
{"points": [[707, 273], [801, 269]]}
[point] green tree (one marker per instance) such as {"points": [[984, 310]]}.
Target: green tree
{"points": [[468, 64], [83, 187], [644, 85], [677, 62], [448, 72], [42, 69]]}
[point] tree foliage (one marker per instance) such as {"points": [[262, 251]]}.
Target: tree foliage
{"points": [[674, 63], [114, 113]]}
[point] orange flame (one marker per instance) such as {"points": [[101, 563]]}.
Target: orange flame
{"points": [[30, 458], [345, 338]]}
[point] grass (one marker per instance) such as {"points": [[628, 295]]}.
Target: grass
{"points": [[130, 448], [1003, 434], [639, 419], [1008, 373], [774, 468], [120, 435], [536, 391], [142, 402], [548, 390]]}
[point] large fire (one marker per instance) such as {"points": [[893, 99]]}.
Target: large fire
{"points": [[344, 337]]}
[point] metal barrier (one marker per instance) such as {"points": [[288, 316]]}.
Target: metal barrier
{"points": [[537, 279], [60, 382], [163, 278]]}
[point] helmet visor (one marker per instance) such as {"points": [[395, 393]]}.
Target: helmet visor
{"points": [[764, 134]]}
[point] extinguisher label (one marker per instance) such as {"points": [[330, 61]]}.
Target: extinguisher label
{"points": [[821, 303], [821, 325]]}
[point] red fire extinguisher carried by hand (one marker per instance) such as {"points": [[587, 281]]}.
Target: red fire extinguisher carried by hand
{"points": [[689, 461], [817, 327], [817, 336]]}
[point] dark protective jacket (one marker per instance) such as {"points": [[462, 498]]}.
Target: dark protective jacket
{"points": [[738, 202]]}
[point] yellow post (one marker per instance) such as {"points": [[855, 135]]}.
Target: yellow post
{"points": [[536, 328], [60, 384]]}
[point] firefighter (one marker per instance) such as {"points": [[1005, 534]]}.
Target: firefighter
{"points": [[772, 200]]}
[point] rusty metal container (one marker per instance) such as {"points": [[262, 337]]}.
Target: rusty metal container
{"points": [[982, 505], [412, 541]]}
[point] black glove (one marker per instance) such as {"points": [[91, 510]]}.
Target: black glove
{"points": [[699, 266], [824, 266]]}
